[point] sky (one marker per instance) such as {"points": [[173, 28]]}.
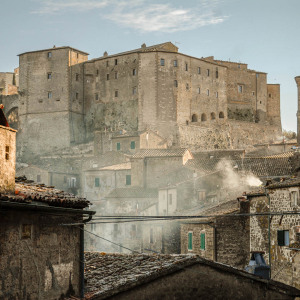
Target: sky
{"points": [[262, 33]]}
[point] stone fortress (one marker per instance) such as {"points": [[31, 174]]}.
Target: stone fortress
{"points": [[64, 99]]}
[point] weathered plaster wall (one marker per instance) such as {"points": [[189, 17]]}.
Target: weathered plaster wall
{"points": [[7, 159], [40, 260]]}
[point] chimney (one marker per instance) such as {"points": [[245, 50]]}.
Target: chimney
{"points": [[297, 79]]}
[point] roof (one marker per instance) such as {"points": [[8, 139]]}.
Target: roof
{"points": [[55, 48], [118, 167], [26, 191], [160, 153], [286, 183], [109, 274], [133, 192]]}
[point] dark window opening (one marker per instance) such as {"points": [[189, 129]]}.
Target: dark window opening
{"points": [[212, 116], [116, 62], [162, 62], [194, 118], [49, 54], [283, 238], [207, 72], [175, 63], [49, 76], [107, 76], [221, 115], [133, 72], [199, 70], [203, 118], [217, 74], [128, 179], [175, 83], [77, 77], [26, 231], [116, 94]]}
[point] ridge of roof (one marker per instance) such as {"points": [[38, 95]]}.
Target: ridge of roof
{"points": [[54, 48]]}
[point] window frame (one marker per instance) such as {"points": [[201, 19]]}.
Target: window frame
{"points": [[175, 63], [202, 241], [283, 238], [190, 241], [162, 62]]}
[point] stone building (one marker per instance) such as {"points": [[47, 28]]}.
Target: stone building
{"points": [[277, 235], [39, 257], [9, 82], [223, 238], [141, 276], [190, 102]]}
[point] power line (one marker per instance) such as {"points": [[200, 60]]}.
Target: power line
{"points": [[100, 237]]}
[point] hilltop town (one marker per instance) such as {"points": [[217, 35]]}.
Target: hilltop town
{"points": [[196, 144]]}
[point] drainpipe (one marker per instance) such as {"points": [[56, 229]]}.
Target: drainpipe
{"points": [[81, 257], [269, 230]]}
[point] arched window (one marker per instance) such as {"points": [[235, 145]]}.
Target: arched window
{"points": [[194, 118], [203, 117], [212, 116], [221, 115]]}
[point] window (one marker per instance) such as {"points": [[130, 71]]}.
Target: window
{"points": [[170, 196], [221, 115], [151, 240], [134, 91], [49, 76], [240, 88], [133, 231], [198, 90], [133, 72], [207, 92], [207, 72], [116, 229], [107, 76], [194, 118], [239, 66], [217, 95], [116, 75], [283, 238], [38, 178], [132, 145], [128, 179], [77, 77], [116, 94], [270, 95], [118, 146], [202, 241], [175, 63], [7, 152], [76, 95], [294, 198], [49, 54], [212, 116], [116, 62], [97, 182], [175, 83], [190, 241], [96, 97], [217, 73], [97, 72], [49, 95], [199, 70], [186, 67], [107, 63], [253, 93], [77, 55], [26, 231], [162, 62], [203, 118], [187, 87], [72, 182]]}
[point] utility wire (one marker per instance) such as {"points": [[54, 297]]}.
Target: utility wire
{"points": [[100, 237]]}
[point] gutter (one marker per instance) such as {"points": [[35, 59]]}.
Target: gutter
{"points": [[46, 208]]}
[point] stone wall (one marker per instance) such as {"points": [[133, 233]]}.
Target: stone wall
{"points": [[7, 159], [38, 258], [273, 105]]}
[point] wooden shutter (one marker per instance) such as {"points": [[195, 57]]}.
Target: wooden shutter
{"points": [[202, 237], [190, 240]]}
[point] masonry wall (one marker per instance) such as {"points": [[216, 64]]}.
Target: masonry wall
{"points": [[38, 258], [202, 281], [273, 104], [7, 159]]}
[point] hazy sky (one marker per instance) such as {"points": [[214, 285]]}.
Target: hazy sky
{"points": [[262, 33]]}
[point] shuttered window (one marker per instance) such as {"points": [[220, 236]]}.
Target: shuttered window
{"points": [[128, 179], [118, 146], [132, 145], [283, 238], [190, 241], [97, 182], [202, 241]]}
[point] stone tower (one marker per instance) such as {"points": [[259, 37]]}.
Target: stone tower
{"points": [[297, 79]]}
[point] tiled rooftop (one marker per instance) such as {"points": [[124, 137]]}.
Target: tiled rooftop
{"points": [[29, 192], [108, 273], [160, 153], [133, 192]]}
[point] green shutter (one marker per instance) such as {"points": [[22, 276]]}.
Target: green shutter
{"points": [[202, 238], [118, 146], [280, 237], [190, 241], [132, 145], [97, 182], [128, 179]]}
